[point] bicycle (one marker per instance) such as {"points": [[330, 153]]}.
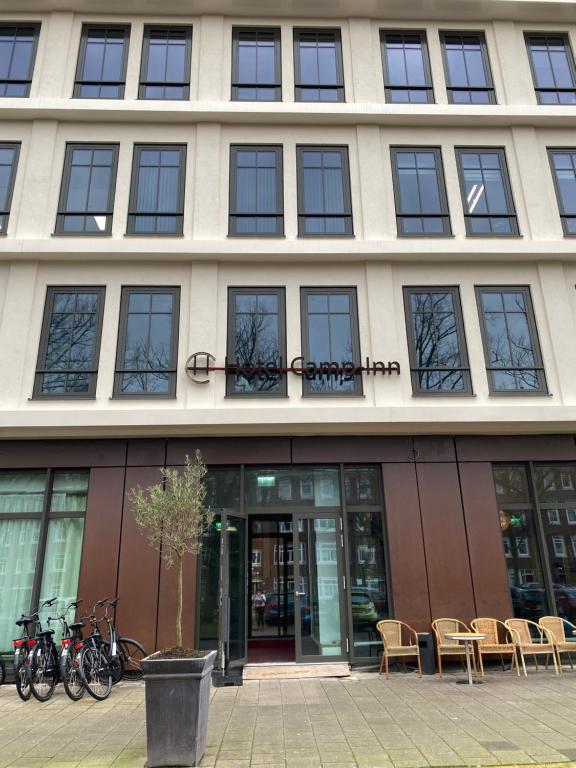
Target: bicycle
{"points": [[125, 652], [95, 663], [71, 643], [23, 648]]}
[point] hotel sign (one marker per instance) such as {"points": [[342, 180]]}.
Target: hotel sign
{"points": [[200, 365]]}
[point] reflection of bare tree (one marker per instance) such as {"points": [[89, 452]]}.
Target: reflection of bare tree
{"points": [[256, 344], [332, 381], [144, 364], [510, 345], [70, 347], [436, 341]]}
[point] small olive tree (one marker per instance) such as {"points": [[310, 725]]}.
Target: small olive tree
{"points": [[173, 515]]}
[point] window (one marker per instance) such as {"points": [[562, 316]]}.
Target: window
{"points": [[157, 191], [324, 204], [17, 55], [9, 154], [70, 343], [511, 348], [554, 517], [467, 69], [318, 71], [571, 516], [407, 75], [148, 343], [522, 547], [552, 68], [563, 163], [256, 200], [486, 193], [256, 74], [438, 356], [256, 341], [87, 194], [101, 69], [330, 341], [32, 505], [573, 540], [507, 549], [165, 68], [559, 546], [419, 191]]}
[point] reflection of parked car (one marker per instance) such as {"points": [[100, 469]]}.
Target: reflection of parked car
{"points": [[530, 601], [278, 611], [379, 599], [363, 607], [565, 601]]}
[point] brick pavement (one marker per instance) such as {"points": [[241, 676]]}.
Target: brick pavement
{"points": [[360, 722]]}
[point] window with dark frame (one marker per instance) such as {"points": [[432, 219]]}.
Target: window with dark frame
{"points": [[420, 192], [324, 201], [467, 68], [165, 66], [407, 76], [511, 347], [256, 340], [9, 154], [330, 340], [318, 70], [157, 191], [256, 195], [256, 64], [486, 192], [436, 341], [552, 66], [102, 59], [70, 342], [563, 164], [18, 43], [86, 203], [147, 343]]}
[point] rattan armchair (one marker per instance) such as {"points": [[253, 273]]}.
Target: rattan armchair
{"points": [[445, 647], [557, 629], [526, 644], [495, 631], [392, 632]]}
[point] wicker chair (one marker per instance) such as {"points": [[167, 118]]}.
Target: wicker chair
{"points": [[445, 647], [544, 645], [494, 629], [557, 629], [391, 633]]}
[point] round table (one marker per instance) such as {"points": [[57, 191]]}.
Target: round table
{"points": [[467, 638]]}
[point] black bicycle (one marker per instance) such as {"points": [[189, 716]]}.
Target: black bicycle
{"points": [[125, 652], [71, 645], [95, 663], [23, 649]]}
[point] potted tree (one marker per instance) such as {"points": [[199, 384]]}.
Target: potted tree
{"points": [[173, 515]]}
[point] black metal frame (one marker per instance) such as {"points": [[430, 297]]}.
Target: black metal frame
{"points": [[346, 214], [35, 27], [236, 84], [185, 83], [233, 215], [528, 36], [65, 184], [51, 291], [538, 368], [172, 371], [562, 211], [428, 89], [79, 81], [5, 214], [467, 390], [450, 89], [510, 215], [231, 336], [300, 87]]}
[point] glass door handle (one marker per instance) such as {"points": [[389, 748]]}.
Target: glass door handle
{"points": [[300, 594]]}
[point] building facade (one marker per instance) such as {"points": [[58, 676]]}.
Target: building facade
{"points": [[332, 249]]}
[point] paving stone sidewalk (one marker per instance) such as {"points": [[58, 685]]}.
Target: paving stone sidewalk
{"points": [[360, 722]]}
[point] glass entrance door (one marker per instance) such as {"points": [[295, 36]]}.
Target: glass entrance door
{"points": [[319, 587], [234, 589]]}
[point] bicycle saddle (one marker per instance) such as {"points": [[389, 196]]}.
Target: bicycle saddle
{"points": [[24, 620], [78, 625], [46, 633]]}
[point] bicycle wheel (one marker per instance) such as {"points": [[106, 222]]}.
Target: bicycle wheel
{"points": [[70, 675], [132, 653], [96, 672], [2, 671], [43, 673], [117, 664], [22, 679]]}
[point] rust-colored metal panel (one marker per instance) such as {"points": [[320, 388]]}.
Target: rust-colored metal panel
{"points": [[445, 542], [99, 568], [138, 572], [231, 450], [166, 636], [489, 576], [146, 453], [26, 454], [405, 546], [313, 450], [434, 449], [516, 448]]}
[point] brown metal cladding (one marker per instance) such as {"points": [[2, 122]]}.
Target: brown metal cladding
{"points": [[28, 454], [489, 576], [447, 562], [406, 546], [515, 448], [146, 453], [166, 634], [101, 547], [434, 449], [230, 450], [139, 568], [353, 450]]}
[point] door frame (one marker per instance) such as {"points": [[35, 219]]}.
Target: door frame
{"points": [[224, 618]]}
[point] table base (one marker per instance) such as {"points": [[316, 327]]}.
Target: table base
{"points": [[467, 682]]}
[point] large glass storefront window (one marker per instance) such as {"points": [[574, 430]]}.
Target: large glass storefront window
{"points": [[41, 531]]}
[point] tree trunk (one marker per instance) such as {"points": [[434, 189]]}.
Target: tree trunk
{"points": [[179, 601]]}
